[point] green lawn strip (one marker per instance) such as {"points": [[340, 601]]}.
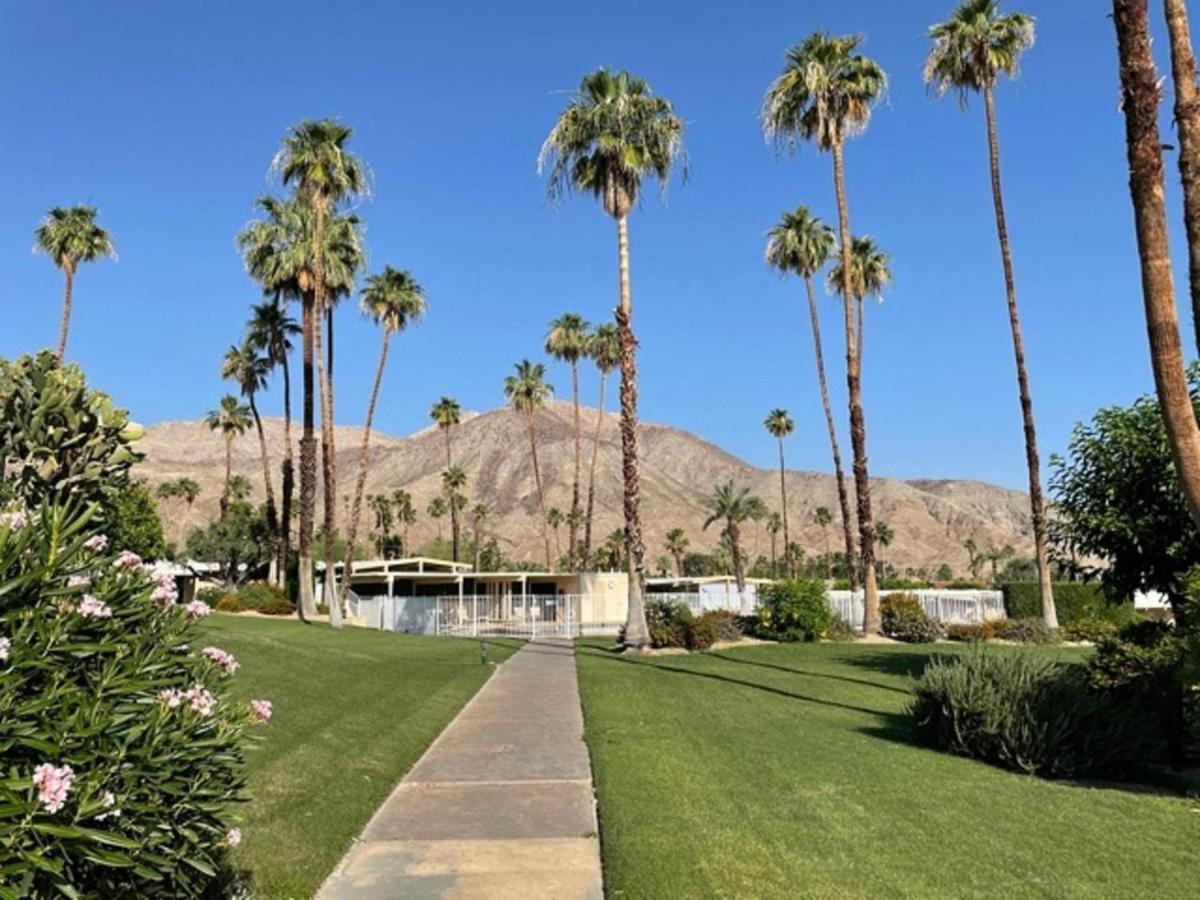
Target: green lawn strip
{"points": [[791, 770], [353, 711]]}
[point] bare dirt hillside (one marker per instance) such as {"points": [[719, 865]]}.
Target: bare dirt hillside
{"points": [[931, 519]]}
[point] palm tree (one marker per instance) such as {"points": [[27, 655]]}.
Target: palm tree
{"points": [[247, 368], [774, 526], [734, 505], [779, 424], [70, 236], [555, 519], [406, 515], [614, 547], [883, 537], [239, 488], [970, 51], [567, 341], [454, 480], [393, 300], [436, 509], [613, 134], [803, 244], [313, 157], [381, 506], [479, 514], [604, 350], [231, 419], [870, 273], [825, 94], [270, 331], [1187, 124], [446, 413], [676, 544], [184, 488], [1140, 95], [528, 391], [823, 518]]}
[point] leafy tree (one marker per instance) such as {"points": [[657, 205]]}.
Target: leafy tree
{"points": [[945, 573], [825, 94], [70, 236], [239, 543], [604, 350], [528, 391], [613, 135], [567, 341], [779, 425], [135, 524], [183, 488], [733, 505], [231, 419]]}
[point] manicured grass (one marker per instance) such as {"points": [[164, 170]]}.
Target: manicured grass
{"points": [[354, 709], [789, 771]]}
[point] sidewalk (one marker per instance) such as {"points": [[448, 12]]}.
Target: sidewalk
{"points": [[500, 805]]}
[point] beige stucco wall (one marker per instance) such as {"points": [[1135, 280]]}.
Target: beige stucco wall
{"points": [[605, 597]]}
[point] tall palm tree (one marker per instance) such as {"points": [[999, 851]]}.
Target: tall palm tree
{"points": [[381, 506], [822, 517], [69, 236], [970, 51], [803, 244], [614, 548], [454, 479], [870, 273], [774, 526], [437, 509], [1140, 95], [393, 300], [446, 413], [270, 331], [884, 535], [247, 367], [555, 519], [779, 424], [231, 419], [604, 350], [1187, 124], [733, 505], [528, 391], [825, 94], [406, 515], [676, 544], [567, 341], [313, 157], [613, 135], [479, 514]]}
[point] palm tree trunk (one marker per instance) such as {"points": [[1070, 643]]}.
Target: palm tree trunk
{"points": [[537, 478], [839, 473], [858, 332], [448, 463], [1140, 98], [1037, 505], [573, 523], [272, 516], [858, 425], [308, 462], [328, 465], [228, 474], [591, 499], [1187, 123], [783, 496], [285, 531], [64, 324], [454, 532], [360, 482], [735, 551]]}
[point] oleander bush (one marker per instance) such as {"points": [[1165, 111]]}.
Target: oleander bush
{"points": [[795, 609], [230, 603], [904, 619], [668, 623], [1025, 631], [727, 625], [982, 631]]}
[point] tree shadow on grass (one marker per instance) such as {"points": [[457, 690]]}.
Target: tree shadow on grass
{"points": [[807, 673], [898, 663]]}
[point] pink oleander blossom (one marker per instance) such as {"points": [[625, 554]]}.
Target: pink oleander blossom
{"points": [[92, 607], [5, 648], [261, 710], [127, 559], [222, 659], [198, 609], [78, 581], [170, 698], [233, 837], [97, 543], [14, 519], [53, 783], [202, 702]]}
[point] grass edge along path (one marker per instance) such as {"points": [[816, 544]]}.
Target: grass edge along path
{"points": [[792, 771], [354, 709]]}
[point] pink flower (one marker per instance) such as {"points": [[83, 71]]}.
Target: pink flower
{"points": [[5, 647], [97, 543], [261, 710], [233, 837], [13, 520], [202, 702], [92, 607], [127, 559], [198, 609], [170, 698], [53, 784], [165, 592], [221, 659]]}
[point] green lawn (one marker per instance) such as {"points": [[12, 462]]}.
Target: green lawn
{"points": [[790, 771], [354, 709]]}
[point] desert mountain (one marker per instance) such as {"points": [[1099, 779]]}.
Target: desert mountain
{"points": [[931, 519]]}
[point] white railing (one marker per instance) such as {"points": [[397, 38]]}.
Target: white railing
{"points": [[948, 606], [701, 602]]}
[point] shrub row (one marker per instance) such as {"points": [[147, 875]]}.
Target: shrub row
{"points": [[673, 625], [257, 596], [1072, 600]]}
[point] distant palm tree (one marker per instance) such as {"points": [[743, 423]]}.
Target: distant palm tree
{"points": [[823, 518], [231, 419], [604, 350], [970, 51], [613, 134], [555, 519], [446, 413], [825, 94], [567, 341], [479, 514], [381, 506], [184, 488], [393, 300], [803, 244], [779, 424], [70, 236], [528, 391], [870, 273], [454, 480], [406, 516], [677, 544], [774, 526], [239, 488], [883, 537], [436, 509], [614, 549], [314, 158], [733, 505]]}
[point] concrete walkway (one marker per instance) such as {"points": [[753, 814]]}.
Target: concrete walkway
{"points": [[501, 804]]}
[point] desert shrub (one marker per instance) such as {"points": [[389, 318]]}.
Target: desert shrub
{"points": [[840, 630], [701, 632], [726, 624], [1022, 710], [1089, 628], [1025, 631], [668, 623], [794, 610], [209, 595], [122, 746], [277, 606], [230, 603], [904, 619], [982, 631], [259, 593]]}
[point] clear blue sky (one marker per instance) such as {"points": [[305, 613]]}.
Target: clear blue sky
{"points": [[166, 115]]}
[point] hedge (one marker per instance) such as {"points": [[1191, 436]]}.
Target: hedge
{"points": [[1072, 600]]}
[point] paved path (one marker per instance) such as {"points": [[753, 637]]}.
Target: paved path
{"points": [[501, 804]]}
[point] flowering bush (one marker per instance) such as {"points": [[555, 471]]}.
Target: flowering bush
{"points": [[121, 750], [794, 610], [904, 619]]}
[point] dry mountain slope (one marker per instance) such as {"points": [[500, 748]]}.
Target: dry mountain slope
{"points": [[931, 519]]}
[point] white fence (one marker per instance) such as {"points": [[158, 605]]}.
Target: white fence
{"points": [[951, 607], [732, 601]]}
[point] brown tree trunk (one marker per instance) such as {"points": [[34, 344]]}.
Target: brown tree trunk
{"points": [[308, 461], [328, 451], [1187, 124], [64, 324], [1140, 99], [783, 500], [858, 332], [272, 515], [637, 634], [858, 425], [573, 522], [1037, 505], [285, 514], [537, 479], [591, 499], [735, 551], [838, 471], [360, 482], [228, 474]]}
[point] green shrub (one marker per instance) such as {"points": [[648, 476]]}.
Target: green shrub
{"points": [[122, 746], [840, 630], [983, 631], [230, 603], [1025, 631], [1089, 628], [258, 593], [794, 610], [1021, 710], [904, 619], [210, 595], [279, 606], [726, 625], [701, 632], [1072, 600], [668, 623]]}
